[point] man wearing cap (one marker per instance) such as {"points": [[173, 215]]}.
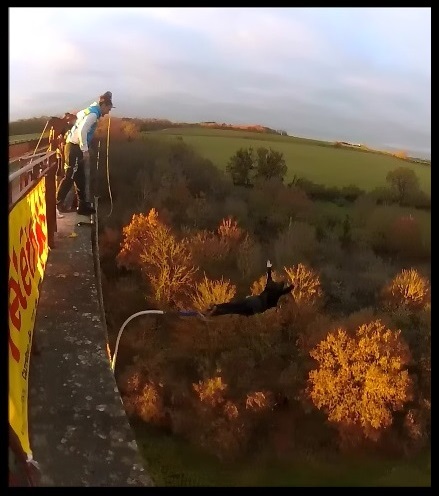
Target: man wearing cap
{"points": [[76, 153]]}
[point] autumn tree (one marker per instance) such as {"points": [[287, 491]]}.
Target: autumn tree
{"points": [[142, 398], [403, 182], [230, 232], [166, 262], [130, 130], [402, 154], [230, 419], [223, 429], [307, 286], [208, 292], [407, 300], [407, 289], [361, 380]]}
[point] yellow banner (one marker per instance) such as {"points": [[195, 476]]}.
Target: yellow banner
{"points": [[28, 250]]}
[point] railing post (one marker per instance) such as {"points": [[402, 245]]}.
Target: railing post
{"points": [[51, 206]]}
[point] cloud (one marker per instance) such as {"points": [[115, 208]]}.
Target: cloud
{"points": [[334, 71]]}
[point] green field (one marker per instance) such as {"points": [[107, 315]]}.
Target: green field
{"points": [[22, 138], [315, 160], [173, 462]]}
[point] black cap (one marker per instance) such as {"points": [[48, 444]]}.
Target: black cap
{"points": [[107, 98]]}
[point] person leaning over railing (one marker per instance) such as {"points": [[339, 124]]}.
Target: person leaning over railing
{"points": [[76, 153], [58, 131]]}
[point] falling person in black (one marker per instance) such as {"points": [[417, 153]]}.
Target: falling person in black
{"points": [[253, 304]]}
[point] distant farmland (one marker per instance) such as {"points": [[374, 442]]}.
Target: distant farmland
{"points": [[22, 138], [318, 161]]}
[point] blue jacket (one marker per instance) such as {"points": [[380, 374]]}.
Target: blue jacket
{"points": [[76, 128]]}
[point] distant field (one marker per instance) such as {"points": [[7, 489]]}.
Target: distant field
{"points": [[315, 160], [20, 138]]}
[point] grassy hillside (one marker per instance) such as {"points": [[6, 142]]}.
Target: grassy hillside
{"points": [[316, 160]]}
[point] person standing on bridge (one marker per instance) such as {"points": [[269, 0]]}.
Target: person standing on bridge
{"points": [[77, 155]]}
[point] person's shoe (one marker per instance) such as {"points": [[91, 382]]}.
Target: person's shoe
{"points": [[85, 209], [59, 215]]}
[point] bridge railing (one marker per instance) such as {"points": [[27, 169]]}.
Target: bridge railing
{"points": [[32, 226], [27, 172]]}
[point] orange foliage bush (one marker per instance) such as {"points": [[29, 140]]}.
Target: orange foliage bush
{"points": [[164, 261], [149, 405], [211, 391], [230, 410], [141, 398], [407, 289], [229, 229], [130, 130], [360, 381], [259, 400], [210, 292], [226, 425], [258, 286], [306, 284]]}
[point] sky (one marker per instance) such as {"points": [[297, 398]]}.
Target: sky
{"points": [[350, 74]]}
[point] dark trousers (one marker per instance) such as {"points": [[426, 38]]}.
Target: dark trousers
{"points": [[248, 306], [74, 173]]}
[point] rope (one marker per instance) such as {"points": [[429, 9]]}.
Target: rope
{"points": [[108, 168], [97, 157], [183, 313], [39, 141]]}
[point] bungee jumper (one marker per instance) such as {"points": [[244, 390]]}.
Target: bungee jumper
{"points": [[251, 305], [254, 304]]}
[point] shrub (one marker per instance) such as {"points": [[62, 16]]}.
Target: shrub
{"points": [[165, 262], [210, 292], [249, 258], [306, 284], [360, 381], [405, 236], [407, 289], [297, 243]]}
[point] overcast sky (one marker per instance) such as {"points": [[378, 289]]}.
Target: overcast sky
{"points": [[354, 74]]}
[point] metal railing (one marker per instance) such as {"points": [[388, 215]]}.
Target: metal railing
{"points": [[29, 171]]}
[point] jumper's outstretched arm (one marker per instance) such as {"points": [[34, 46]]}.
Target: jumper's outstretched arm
{"points": [[269, 266]]}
